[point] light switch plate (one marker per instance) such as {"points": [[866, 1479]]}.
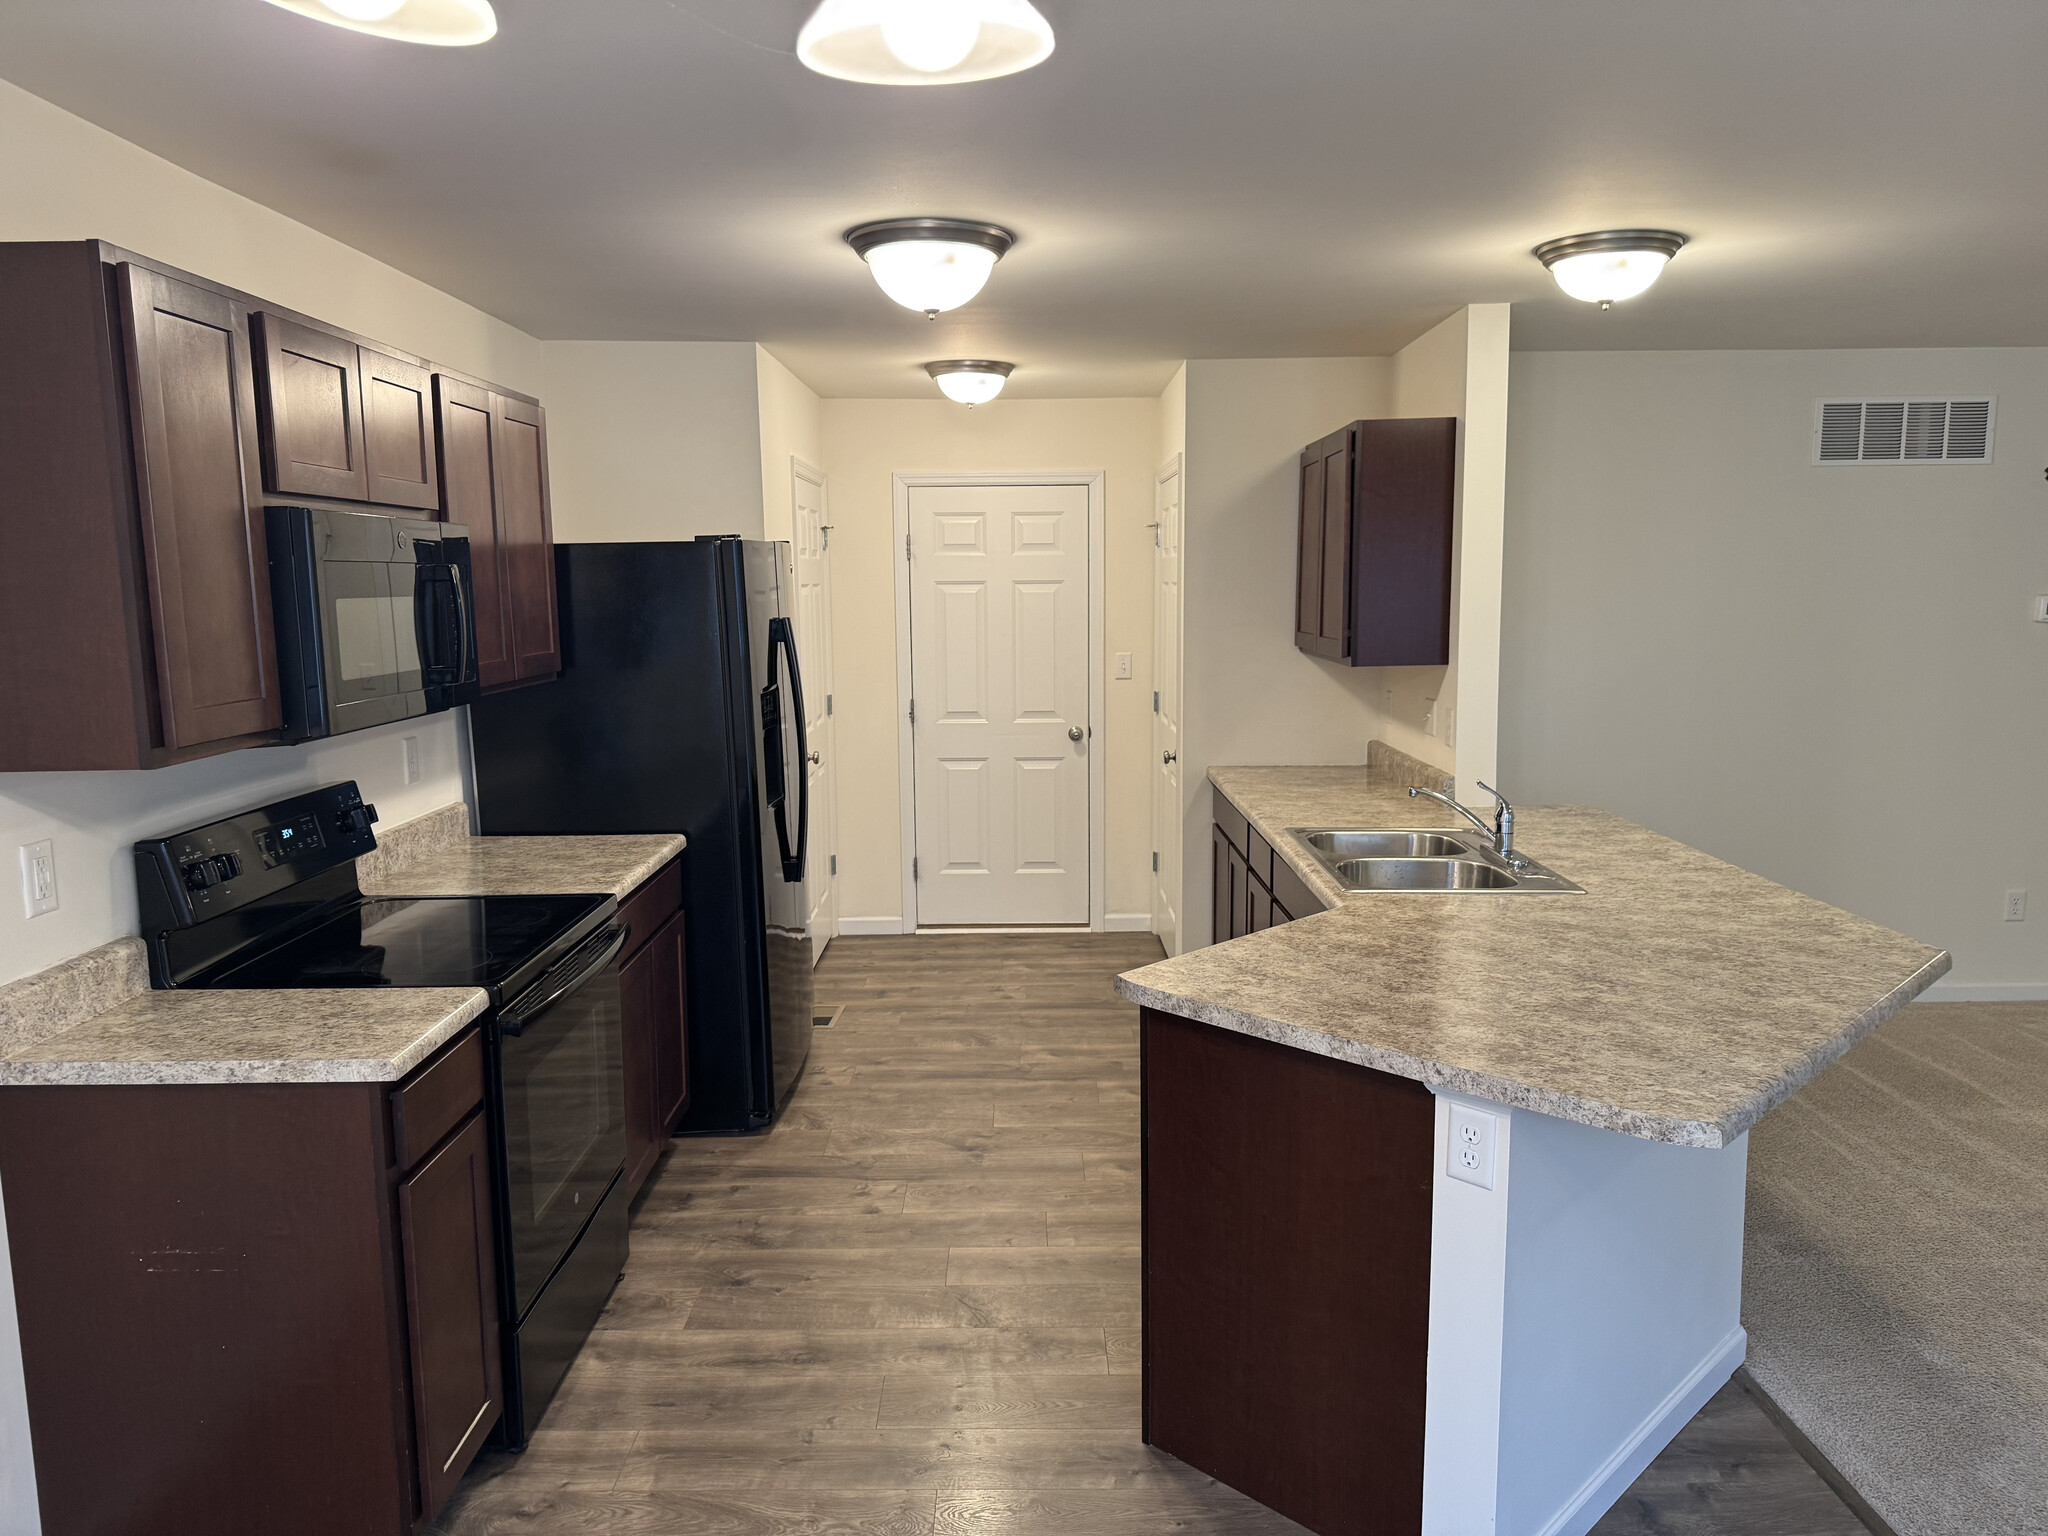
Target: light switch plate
{"points": [[412, 759], [1123, 666], [1474, 1133], [39, 878], [2041, 610]]}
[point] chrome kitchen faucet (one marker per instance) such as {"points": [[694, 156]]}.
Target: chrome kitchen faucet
{"points": [[1501, 833]]}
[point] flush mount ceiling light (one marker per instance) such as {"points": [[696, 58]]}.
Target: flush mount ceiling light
{"points": [[440, 23], [930, 265], [1609, 266], [923, 42], [970, 381]]}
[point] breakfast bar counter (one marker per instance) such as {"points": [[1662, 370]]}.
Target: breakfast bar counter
{"points": [[1444, 1189]]}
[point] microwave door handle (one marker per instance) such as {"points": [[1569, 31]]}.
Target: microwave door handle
{"points": [[462, 631], [514, 1021]]}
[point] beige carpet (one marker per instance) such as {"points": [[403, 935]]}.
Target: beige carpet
{"points": [[1895, 1284]]}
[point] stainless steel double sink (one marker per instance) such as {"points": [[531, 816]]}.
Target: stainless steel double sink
{"points": [[1425, 861]]}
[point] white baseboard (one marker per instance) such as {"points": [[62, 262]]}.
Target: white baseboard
{"points": [[1986, 992], [1127, 922], [1582, 1511], [858, 927]]}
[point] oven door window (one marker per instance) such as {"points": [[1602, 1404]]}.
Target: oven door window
{"points": [[564, 1125]]}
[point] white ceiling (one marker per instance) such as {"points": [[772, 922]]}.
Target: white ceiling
{"points": [[1187, 178]]}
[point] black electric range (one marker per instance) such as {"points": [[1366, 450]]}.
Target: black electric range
{"points": [[269, 899]]}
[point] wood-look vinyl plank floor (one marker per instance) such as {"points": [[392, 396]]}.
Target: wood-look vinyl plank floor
{"points": [[912, 1309]]}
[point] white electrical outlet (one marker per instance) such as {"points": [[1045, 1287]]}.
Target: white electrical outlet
{"points": [[1123, 666], [412, 759], [2015, 906], [1473, 1134], [39, 877]]}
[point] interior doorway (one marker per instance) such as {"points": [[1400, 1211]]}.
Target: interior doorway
{"points": [[811, 527], [999, 621], [1168, 809]]}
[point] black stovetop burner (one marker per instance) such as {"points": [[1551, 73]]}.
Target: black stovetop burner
{"points": [[434, 941]]}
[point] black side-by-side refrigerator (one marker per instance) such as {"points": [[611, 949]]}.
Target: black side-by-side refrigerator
{"points": [[680, 709]]}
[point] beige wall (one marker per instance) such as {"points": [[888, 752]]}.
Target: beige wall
{"points": [[1824, 673], [1250, 696], [653, 441], [61, 178], [866, 443], [792, 427]]}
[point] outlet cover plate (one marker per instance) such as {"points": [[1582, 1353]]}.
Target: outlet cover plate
{"points": [[39, 878], [1474, 1136]]}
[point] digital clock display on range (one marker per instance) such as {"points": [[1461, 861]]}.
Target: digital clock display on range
{"points": [[289, 839]]}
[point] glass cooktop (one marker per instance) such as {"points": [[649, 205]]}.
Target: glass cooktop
{"points": [[435, 941]]}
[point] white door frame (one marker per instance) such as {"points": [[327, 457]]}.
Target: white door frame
{"points": [[800, 469], [1169, 821], [906, 762]]}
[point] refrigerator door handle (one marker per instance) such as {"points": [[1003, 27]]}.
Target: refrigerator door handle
{"points": [[782, 639]]}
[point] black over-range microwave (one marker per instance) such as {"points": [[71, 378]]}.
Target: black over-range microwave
{"points": [[374, 616]]}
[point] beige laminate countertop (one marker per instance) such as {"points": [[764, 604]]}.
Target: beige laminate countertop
{"points": [[327, 1036], [1679, 999], [530, 866]]}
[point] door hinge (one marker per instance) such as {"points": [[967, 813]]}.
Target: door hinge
{"points": [[913, 711], [1155, 861], [913, 866], [1155, 703], [906, 546], [835, 864], [828, 703], [825, 542]]}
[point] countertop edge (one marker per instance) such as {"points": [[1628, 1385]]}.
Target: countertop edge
{"points": [[166, 1073]]}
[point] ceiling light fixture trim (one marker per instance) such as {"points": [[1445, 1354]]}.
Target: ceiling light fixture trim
{"points": [[1609, 265], [923, 42], [930, 265], [970, 381], [437, 23]]}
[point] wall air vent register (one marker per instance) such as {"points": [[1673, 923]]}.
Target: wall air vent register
{"points": [[1903, 431]]}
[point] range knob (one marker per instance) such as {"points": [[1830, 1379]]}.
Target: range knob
{"points": [[200, 875], [226, 866]]}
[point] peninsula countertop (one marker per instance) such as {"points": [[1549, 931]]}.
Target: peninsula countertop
{"points": [[1679, 999]]}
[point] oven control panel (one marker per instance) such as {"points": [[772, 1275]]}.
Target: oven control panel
{"points": [[207, 872]]}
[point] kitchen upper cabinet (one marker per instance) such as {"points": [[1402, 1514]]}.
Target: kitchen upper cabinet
{"points": [[469, 497], [192, 416], [398, 432], [310, 390], [451, 1294], [526, 534], [145, 414], [1375, 529]]}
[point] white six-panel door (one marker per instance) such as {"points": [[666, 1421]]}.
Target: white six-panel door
{"points": [[814, 648], [1167, 809], [999, 668]]}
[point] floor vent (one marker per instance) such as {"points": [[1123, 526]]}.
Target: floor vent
{"points": [[1903, 431]]}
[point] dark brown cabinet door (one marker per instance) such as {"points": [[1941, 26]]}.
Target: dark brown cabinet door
{"points": [[398, 432], [193, 403], [640, 983], [1222, 892], [308, 389], [1321, 616], [526, 532], [669, 1033], [469, 497], [451, 1295]]}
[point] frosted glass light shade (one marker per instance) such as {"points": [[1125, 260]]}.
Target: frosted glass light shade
{"points": [[930, 265], [970, 381], [1612, 265], [923, 42], [438, 23]]}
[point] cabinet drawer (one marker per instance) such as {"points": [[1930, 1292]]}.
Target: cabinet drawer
{"points": [[1231, 820], [437, 1099], [653, 904], [1292, 892]]}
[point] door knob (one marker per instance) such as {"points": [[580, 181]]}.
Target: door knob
{"points": [[1073, 733], [1169, 757], [816, 758]]}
